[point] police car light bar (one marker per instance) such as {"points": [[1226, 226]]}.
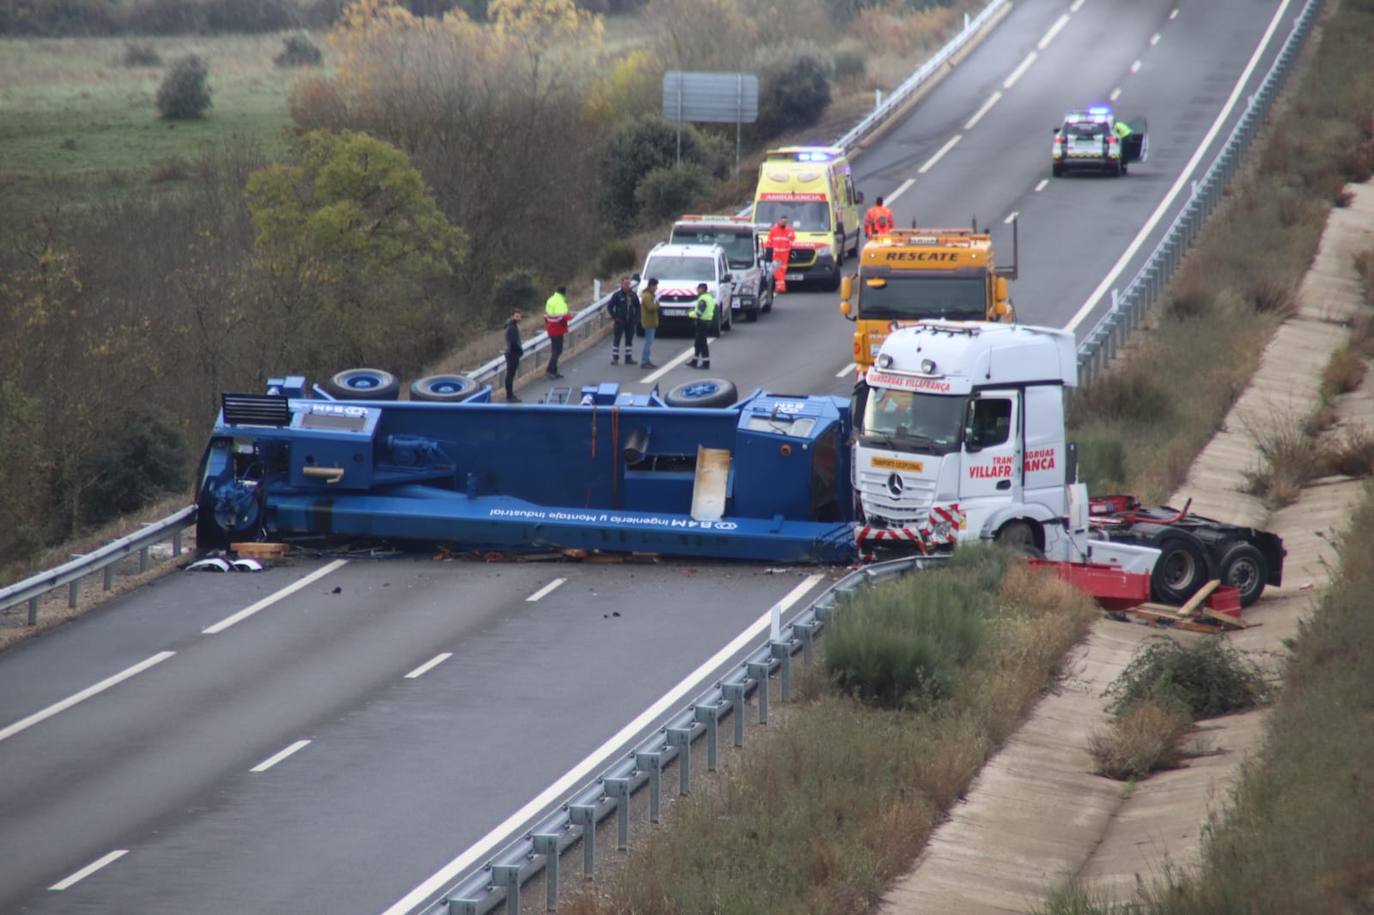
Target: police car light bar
{"points": [[1100, 110]]}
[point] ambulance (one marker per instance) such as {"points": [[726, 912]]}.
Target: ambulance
{"points": [[814, 188]]}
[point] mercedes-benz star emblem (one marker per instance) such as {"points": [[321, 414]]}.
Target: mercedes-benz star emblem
{"points": [[895, 484]]}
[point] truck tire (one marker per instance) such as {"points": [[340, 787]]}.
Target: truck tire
{"points": [[1020, 536], [766, 297], [364, 384], [1180, 570], [443, 388], [1056, 170], [1244, 568], [751, 314], [702, 392]]}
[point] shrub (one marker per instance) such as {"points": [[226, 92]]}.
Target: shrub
{"points": [[903, 644], [850, 64], [1129, 392], [517, 289], [666, 192], [142, 458], [1207, 679], [298, 51], [617, 257], [184, 92], [639, 146], [140, 55], [172, 168], [1102, 460], [793, 95], [1144, 739]]}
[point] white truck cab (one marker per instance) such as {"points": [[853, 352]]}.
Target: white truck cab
{"points": [[961, 434]]}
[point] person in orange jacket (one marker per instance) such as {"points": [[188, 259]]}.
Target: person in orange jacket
{"points": [[878, 220], [781, 238]]}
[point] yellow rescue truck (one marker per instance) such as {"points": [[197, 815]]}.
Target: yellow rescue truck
{"points": [[910, 275], [813, 187]]}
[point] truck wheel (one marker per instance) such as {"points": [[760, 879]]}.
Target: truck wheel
{"points": [[767, 299], [364, 384], [1180, 570], [751, 315], [834, 282], [1057, 170], [443, 388], [1020, 537], [1245, 569], [702, 392]]}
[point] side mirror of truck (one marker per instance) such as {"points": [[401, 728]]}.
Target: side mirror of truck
{"points": [[999, 289], [845, 308], [728, 278]]}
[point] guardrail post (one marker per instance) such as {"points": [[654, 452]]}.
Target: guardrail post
{"points": [[546, 844], [734, 694], [619, 788], [143, 559], [807, 631], [783, 652], [758, 672], [109, 576], [652, 763], [176, 543], [682, 739], [33, 611], [584, 815], [73, 589], [709, 715], [462, 906], [507, 876]]}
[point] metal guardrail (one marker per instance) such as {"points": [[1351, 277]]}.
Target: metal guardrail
{"points": [[1130, 304], [538, 850], [899, 96], [71, 573]]}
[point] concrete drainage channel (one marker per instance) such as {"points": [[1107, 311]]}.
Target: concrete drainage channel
{"points": [[610, 793]]}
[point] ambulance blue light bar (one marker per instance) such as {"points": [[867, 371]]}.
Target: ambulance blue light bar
{"points": [[813, 157], [1100, 110]]}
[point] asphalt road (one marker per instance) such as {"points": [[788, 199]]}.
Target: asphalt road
{"points": [[401, 774]]}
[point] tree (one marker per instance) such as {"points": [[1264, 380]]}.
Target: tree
{"points": [[643, 145], [353, 249], [184, 93]]}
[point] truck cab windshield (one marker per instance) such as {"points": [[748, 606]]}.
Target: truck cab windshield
{"points": [[910, 298], [806, 215], [906, 421], [739, 247]]}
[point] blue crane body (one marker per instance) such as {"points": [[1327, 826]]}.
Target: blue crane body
{"points": [[618, 471]]}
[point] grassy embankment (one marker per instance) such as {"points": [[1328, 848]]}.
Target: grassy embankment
{"points": [[774, 835]]}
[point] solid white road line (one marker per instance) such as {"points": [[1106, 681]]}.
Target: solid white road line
{"points": [[429, 665], [1076, 6], [848, 369], [1135, 67], [1020, 70], [1041, 186], [1059, 24], [271, 599], [272, 760], [545, 591], [1011, 217], [940, 154], [598, 757], [987, 106], [89, 869], [901, 189], [24, 724], [672, 363], [1116, 94], [1184, 176], [1154, 39]]}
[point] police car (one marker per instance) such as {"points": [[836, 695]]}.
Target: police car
{"points": [[1089, 140]]}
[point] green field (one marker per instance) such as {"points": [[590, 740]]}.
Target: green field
{"points": [[71, 112]]}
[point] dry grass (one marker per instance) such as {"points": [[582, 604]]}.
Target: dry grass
{"points": [[820, 815], [1147, 738]]}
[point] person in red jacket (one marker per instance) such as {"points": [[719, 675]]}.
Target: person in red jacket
{"points": [[556, 318], [878, 220], [781, 238]]}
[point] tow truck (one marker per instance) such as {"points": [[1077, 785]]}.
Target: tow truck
{"points": [[960, 438], [910, 275]]}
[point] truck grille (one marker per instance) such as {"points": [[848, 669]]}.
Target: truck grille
{"points": [[911, 507]]}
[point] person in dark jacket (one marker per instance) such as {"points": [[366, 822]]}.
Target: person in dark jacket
{"points": [[514, 348], [624, 311]]}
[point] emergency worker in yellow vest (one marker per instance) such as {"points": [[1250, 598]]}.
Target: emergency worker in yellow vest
{"points": [[703, 319]]}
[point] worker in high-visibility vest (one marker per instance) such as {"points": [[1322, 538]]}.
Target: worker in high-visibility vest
{"points": [[556, 317], [878, 220], [703, 316], [781, 238]]}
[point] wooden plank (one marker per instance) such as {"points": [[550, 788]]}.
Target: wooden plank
{"points": [[1232, 621], [1166, 615], [255, 550], [1195, 602]]}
